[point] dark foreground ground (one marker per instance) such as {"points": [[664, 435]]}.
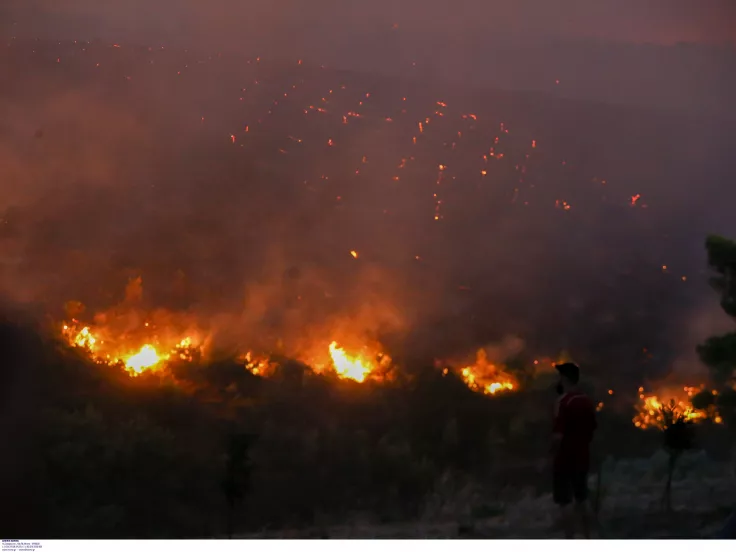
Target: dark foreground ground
{"points": [[630, 508]]}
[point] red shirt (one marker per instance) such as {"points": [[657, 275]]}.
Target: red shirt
{"points": [[575, 422]]}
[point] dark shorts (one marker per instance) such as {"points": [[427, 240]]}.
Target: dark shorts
{"points": [[569, 485]]}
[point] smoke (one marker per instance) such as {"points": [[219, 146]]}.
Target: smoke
{"points": [[613, 50], [134, 162], [235, 22], [706, 321]]}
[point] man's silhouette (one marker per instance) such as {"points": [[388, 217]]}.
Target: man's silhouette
{"points": [[574, 426]]}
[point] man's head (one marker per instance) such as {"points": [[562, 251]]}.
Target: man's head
{"points": [[569, 375]]}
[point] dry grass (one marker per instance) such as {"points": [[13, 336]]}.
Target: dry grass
{"points": [[703, 496]]}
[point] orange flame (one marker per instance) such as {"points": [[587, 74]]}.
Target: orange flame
{"points": [[649, 410], [347, 366], [135, 361], [257, 366], [144, 359], [486, 377]]}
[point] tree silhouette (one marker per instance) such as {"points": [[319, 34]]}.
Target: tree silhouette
{"points": [[705, 401], [677, 439], [719, 352]]}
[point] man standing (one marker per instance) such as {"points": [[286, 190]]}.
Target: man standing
{"points": [[573, 432]]}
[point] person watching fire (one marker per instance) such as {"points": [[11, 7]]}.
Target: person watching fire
{"points": [[574, 426]]}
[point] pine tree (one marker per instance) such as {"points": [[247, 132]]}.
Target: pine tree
{"points": [[719, 352]]}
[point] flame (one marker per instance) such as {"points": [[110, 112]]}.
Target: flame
{"points": [[83, 339], [492, 388], [135, 360], [144, 359], [257, 366], [649, 410], [486, 377], [347, 366]]}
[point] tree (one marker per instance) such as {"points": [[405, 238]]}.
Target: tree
{"points": [[677, 439], [719, 352]]}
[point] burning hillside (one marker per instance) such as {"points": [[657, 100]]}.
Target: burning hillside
{"points": [[147, 351], [138, 342], [104, 348], [342, 220], [127, 336], [151, 350]]}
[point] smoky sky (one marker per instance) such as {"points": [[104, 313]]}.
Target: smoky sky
{"points": [[665, 53], [135, 161], [234, 23]]}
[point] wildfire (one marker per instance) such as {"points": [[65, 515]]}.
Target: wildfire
{"points": [[649, 410], [257, 366], [347, 367], [135, 360], [492, 388], [486, 377], [354, 367], [83, 339], [144, 359]]}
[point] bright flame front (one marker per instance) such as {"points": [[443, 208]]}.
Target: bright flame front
{"points": [[135, 360], [348, 366], [146, 358]]}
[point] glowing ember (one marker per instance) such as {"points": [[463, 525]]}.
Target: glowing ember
{"points": [[257, 366]]}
